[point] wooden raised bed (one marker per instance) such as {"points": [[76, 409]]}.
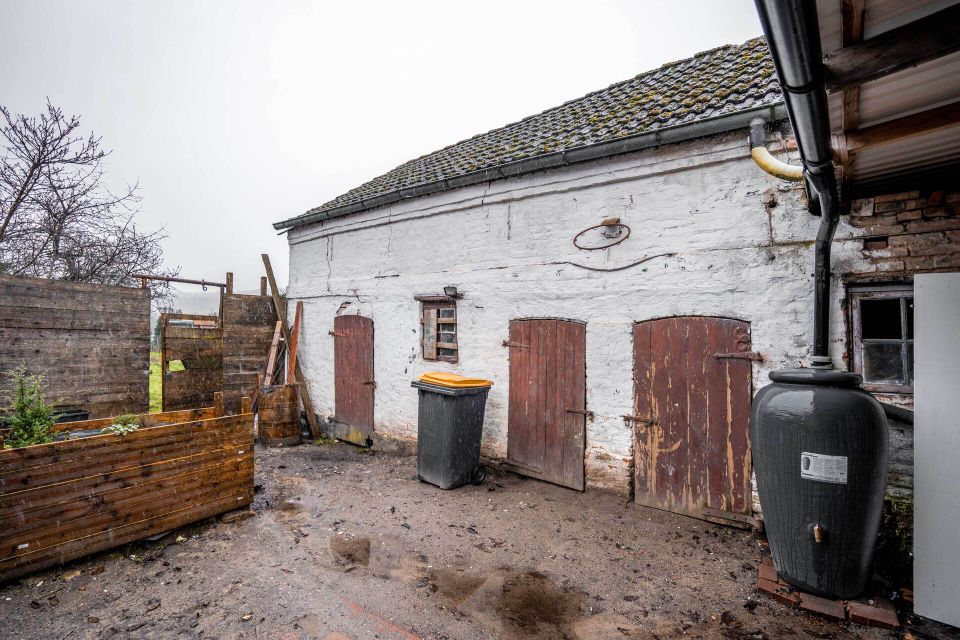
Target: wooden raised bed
{"points": [[63, 500]]}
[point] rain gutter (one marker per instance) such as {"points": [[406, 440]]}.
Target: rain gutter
{"points": [[793, 35], [668, 135]]}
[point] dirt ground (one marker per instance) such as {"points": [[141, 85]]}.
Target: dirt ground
{"points": [[347, 543]]}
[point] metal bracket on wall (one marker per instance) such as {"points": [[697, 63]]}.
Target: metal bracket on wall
{"points": [[517, 345], [755, 356], [583, 412]]}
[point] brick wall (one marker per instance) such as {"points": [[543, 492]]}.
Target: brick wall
{"points": [[911, 231], [903, 234]]}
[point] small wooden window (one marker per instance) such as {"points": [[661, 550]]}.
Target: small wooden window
{"points": [[882, 321], [438, 320]]}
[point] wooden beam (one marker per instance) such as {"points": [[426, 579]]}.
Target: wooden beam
{"points": [[851, 12], [263, 285], [297, 316], [282, 317], [907, 46], [924, 122], [229, 283], [272, 358]]}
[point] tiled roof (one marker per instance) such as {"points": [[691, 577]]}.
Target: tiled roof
{"points": [[713, 83]]}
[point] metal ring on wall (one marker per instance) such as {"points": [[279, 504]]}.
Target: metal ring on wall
{"points": [[623, 236]]}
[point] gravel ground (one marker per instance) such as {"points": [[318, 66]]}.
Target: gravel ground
{"points": [[347, 543]]}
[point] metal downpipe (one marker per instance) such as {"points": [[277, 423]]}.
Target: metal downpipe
{"points": [[792, 31], [825, 184]]}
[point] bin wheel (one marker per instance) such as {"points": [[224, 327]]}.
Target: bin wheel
{"points": [[479, 474]]}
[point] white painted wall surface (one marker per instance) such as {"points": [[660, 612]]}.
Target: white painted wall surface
{"points": [[936, 531], [507, 247]]}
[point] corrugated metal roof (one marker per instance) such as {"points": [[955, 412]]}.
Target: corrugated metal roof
{"points": [[899, 94]]}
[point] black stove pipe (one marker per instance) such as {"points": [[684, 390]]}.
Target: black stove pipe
{"points": [[792, 32]]}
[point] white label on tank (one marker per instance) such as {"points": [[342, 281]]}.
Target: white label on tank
{"points": [[817, 466]]}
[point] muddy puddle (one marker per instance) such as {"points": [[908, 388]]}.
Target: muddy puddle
{"points": [[516, 603]]}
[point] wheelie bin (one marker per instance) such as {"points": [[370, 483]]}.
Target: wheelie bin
{"points": [[450, 426]]}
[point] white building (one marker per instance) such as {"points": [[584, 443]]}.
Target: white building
{"points": [[703, 235]]}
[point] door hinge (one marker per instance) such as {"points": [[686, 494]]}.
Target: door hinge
{"points": [[517, 345], [642, 421], [371, 383], [336, 334], [756, 356], [583, 412]]}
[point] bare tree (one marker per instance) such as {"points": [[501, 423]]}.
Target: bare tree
{"points": [[58, 219]]}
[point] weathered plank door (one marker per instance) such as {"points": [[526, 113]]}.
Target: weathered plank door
{"points": [[353, 378], [191, 356], [692, 379], [546, 429]]}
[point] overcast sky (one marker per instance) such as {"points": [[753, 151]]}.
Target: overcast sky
{"points": [[235, 114]]}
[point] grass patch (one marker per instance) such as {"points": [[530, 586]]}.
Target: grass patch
{"points": [[156, 383]]}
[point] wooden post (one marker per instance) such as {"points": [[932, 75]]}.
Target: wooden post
{"points": [[245, 406], [229, 287], [282, 317], [218, 403], [292, 349], [263, 285], [272, 357]]}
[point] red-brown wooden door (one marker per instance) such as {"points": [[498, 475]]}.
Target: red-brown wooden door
{"points": [[546, 429], [695, 459], [353, 378]]}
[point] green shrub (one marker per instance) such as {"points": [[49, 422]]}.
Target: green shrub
{"points": [[122, 425], [28, 414]]}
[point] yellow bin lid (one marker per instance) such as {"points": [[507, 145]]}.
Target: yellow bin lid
{"points": [[453, 380]]}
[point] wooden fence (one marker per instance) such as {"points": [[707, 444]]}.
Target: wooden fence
{"points": [[248, 323], [67, 499], [92, 342]]}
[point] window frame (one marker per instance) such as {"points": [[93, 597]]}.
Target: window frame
{"points": [[901, 292], [438, 303]]}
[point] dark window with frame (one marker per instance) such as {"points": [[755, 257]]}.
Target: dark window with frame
{"points": [[438, 334], [882, 321]]}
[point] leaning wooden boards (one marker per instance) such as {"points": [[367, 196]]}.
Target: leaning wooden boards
{"points": [[68, 499]]}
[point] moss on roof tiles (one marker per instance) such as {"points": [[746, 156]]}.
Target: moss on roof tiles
{"points": [[712, 83]]}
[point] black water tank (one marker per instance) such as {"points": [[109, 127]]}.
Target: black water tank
{"points": [[820, 454]]}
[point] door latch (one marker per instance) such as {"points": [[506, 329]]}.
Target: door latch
{"points": [[641, 421], [756, 356]]}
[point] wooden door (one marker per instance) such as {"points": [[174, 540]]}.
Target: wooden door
{"points": [[692, 377], [191, 360], [353, 379], [546, 430]]}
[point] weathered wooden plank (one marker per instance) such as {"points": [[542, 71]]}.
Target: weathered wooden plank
{"points": [[56, 452], [280, 309], [44, 498], [86, 495], [139, 502], [696, 455], [145, 419], [930, 37], [91, 342], [185, 513]]}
